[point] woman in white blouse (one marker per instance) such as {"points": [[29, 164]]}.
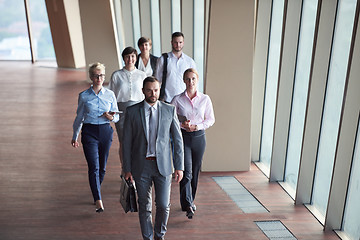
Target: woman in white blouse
{"points": [[127, 86], [146, 62]]}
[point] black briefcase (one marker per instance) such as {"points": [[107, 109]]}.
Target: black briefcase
{"points": [[128, 195]]}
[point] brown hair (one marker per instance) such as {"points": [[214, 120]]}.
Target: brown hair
{"points": [[127, 51], [150, 79], [143, 40]]}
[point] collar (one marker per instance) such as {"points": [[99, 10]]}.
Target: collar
{"points": [[146, 105], [132, 71], [186, 94], [173, 55], [102, 90]]}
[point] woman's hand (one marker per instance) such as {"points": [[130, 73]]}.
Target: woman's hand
{"points": [[188, 127], [109, 115], [74, 143]]}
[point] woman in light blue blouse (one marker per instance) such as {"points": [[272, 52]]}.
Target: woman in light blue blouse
{"points": [[97, 107]]}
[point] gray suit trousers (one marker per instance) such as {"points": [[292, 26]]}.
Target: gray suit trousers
{"points": [[162, 186]]}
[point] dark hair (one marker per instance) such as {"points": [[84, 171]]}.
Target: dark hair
{"points": [[127, 51], [150, 79], [177, 34], [143, 40]]}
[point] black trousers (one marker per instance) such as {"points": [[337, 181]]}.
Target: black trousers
{"points": [[194, 148]]}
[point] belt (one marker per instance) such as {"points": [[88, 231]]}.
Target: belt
{"points": [[194, 134], [151, 158]]}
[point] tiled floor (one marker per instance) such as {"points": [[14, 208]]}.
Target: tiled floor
{"points": [[242, 197], [43, 180]]}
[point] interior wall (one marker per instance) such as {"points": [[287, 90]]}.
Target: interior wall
{"points": [[230, 46], [100, 34]]}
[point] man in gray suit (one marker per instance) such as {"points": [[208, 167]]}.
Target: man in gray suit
{"points": [[148, 128]]}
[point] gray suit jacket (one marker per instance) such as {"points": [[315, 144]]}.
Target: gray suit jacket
{"points": [[135, 143]]}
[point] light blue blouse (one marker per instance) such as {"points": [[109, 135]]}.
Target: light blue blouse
{"points": [[91, 106]]}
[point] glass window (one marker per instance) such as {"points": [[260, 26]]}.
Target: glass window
{"points": [[272, 76], [199, 35], [136, 22], [333, 104], [14, 39], [155, 27], [300, 93], [119, 24], [42, 40], [352, 211], [175, 16]]}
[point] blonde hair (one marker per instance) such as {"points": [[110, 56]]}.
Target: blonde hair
{"points": [[96, 66], [193, 70]]}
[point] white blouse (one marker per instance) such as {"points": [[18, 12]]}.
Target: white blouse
{"points": [[127, 85], [147, 69]]}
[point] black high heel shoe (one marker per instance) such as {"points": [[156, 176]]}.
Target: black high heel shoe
{"points": [[99, 210], [190, 212], [99, 206]]}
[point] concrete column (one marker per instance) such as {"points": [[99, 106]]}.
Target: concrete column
{"points": [[229, 84], [66, 32]]}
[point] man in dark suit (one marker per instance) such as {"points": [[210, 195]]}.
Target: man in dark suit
{"points": [[148, 128]]}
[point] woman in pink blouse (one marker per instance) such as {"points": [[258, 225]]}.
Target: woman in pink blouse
{"points": [[195, 112]]}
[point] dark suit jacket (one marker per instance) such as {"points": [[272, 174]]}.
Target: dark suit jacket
{"points": [[134, 145], [153, 61]]}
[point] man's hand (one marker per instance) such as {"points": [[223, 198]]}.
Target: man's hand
{"points": [[178, 175], [128, 175]]}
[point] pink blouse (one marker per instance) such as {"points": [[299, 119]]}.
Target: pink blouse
{"points": [[199, 110]]}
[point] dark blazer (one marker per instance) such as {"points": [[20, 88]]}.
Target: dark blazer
{"points": [[134, 145], [153, 61]]}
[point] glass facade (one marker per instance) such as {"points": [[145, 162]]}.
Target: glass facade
{"points": [[316, 116], [43, 44], [271, 82], [352, 211], [14, 38], [300, 92], [333, 104]]}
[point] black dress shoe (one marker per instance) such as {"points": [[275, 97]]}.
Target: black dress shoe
{"points": [[156, 238], [190, 212]]}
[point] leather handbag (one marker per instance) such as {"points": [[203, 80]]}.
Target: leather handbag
{"points": [[128, 195]]}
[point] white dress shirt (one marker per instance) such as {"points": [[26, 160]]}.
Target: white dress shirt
{"points": [[175, 70], [127, 85]]}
